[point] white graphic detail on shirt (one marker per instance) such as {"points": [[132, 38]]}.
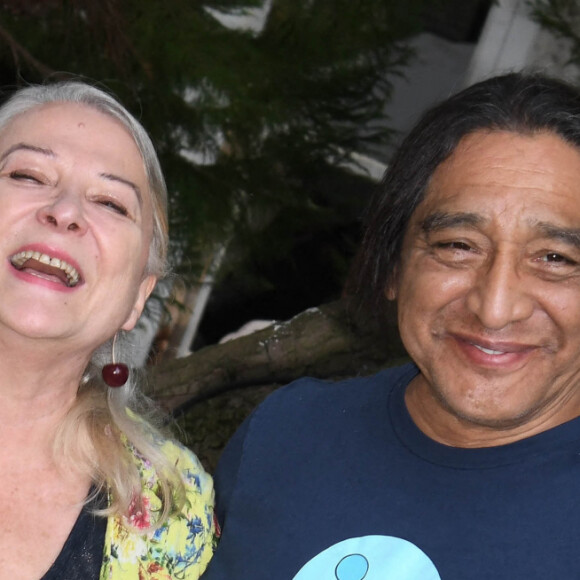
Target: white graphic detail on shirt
{"points": [[370, 558]]}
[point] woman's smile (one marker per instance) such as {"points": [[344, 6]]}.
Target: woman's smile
{"points": [[47, 266]]}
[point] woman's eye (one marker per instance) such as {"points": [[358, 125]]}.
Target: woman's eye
{"points": [[24, 176], [115, 206]]}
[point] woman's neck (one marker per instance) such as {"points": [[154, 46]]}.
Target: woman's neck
{"points": [[38, 382]]}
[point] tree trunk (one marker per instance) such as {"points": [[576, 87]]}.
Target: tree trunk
{"points": [[325, 342]]}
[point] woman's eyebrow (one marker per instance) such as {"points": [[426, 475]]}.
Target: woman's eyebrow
{"points": [[27, 147], [127, 182], [51, 153]]}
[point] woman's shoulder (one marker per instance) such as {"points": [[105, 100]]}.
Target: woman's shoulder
{"points": [[183, 545], [195, 479], [197, 505]]}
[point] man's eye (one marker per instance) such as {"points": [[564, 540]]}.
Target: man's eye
{"points": [[555, 258], [115, 206], [454, 246]]}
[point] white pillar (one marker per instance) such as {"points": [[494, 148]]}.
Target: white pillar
{"points": [[506, 42]]}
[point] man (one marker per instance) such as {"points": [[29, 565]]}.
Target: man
{"points": [[466, 463]]}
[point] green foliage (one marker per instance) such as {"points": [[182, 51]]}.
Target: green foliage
{"points": [[263, 112], [562, 18]]}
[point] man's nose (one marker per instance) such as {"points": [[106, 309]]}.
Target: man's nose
{"points": [[64, 212], [500, 295]]}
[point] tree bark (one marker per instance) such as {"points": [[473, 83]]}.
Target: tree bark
{"points": [[325, 342]]}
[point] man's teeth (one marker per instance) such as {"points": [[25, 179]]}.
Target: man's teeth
{"points": [[18, 260], [488, 350]]}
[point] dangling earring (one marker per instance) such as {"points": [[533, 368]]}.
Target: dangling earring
{"points": [[115, 374]]}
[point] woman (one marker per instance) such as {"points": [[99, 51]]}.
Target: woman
{"points": [[88, 488]]}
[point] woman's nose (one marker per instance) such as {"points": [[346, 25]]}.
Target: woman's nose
{"points": [[65, 213], [500, 296]]}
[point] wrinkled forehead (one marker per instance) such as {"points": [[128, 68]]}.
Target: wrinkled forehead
{"points": [[533, 175], [40, 117], [54, 121], [540, 160]]}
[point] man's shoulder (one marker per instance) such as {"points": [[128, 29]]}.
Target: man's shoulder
{"points": [[312, 388], [309, 397], [309, 410]]}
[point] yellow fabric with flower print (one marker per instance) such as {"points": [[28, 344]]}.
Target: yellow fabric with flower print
{"points": [[183, 546]]}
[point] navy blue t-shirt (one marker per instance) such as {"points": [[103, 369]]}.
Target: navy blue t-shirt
{"points": [[335, 481]]}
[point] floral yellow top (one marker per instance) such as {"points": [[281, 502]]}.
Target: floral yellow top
{"points": [[183, 546]]}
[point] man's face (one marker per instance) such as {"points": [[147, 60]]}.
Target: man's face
{"points": [[488, 291]]}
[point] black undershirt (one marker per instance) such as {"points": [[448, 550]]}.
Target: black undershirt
{"points": [[82, 553]]}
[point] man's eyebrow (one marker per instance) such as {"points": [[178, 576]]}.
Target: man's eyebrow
{"points": [[26, 147], [118, 179], [567, 235], [440, 220]]}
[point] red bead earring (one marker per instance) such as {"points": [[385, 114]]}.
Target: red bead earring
{"points": [[115, 374]]}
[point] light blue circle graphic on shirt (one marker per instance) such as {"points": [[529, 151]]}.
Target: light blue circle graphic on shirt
{"points": [[370, 558], [352, 567]]}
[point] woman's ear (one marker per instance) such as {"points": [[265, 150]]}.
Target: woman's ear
{"points": [[145, 289]]}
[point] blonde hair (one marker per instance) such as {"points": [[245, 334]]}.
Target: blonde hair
{"points": [[105, 426], [100, 435]]}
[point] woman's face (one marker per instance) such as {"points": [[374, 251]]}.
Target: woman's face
{"points": [[75, 226]]}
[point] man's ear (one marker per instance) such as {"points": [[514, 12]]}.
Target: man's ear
{"points": [[391, 288], [145, 289]]}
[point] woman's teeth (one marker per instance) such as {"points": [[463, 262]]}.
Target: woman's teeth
{"points": [[19, 260]]}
